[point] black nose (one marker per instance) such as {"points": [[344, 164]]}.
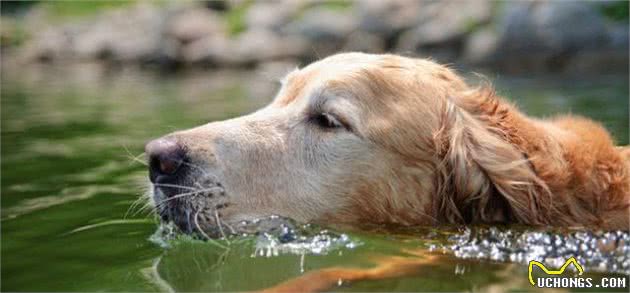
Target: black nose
{"points": [[166, 156]]}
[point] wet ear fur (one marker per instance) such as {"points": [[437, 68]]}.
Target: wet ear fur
{"points": [[481, 176]]}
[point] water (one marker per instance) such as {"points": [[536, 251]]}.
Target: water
{"points": [[69, 138]]}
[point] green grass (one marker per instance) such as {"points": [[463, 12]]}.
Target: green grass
{"points": [[69, 9], [337, 5], [235, 18]]}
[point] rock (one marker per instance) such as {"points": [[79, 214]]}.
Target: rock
{"points": [[448, 22], [519, 36], [249, 47], [556, 36], [480, 46], [553, 26], [618, 36], [125, 35], [544, 35], [364, 42], [217, 5], [47, 45], [319, 23], [95, 42], [325, 29], [188, 31], [193, 24], [272, 15], [386, 18], [206, 50], [259, 45], [128, 35]]}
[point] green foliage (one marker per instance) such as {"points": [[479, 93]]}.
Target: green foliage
{"points": [[617, 11], [68, 9], [235, 18], [12, 33], [471, 25], [339, 5]]}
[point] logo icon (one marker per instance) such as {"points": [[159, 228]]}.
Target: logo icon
{"points": [[569, 261]]}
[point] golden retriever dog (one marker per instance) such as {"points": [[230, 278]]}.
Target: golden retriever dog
{"points": [[382, 139]]}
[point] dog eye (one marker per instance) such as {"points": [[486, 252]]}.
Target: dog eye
{"points": [[325, 120]]}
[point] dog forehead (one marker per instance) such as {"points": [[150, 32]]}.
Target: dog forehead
{"points": [[331, 73], [363, 76]]}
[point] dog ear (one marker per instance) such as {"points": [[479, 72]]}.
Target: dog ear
{"points": [[483, 177]]}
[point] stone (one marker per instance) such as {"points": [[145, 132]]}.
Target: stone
{"points": [[364, 42], [131, 34], [249, 47], [47, 45], [272, 15], [480, 46], [386, 18], [554, 26], [543, 36], [618, 36], [259, 44], [448, 22], [321, 24], [510, 36], [324, 29], [193, 24]]}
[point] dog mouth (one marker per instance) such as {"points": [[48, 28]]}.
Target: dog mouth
{"points": [[195, 208]]}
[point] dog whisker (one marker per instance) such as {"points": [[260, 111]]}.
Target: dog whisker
{"points": [[147, 208], [135, 204], [218, 220], [174, 186], [135, 158], [196, 220], [208, 238], [137, 211], [197, 191], [194, 166]]}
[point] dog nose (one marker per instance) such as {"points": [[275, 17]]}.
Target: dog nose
{"points": [[166, 156]]}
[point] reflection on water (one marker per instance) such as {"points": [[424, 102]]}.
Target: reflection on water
{"points": [[69, 138]]}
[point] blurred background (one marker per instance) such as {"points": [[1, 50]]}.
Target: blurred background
{"points": [[84, 84], [511, 36]]}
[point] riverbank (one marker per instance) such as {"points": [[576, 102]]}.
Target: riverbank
{"points": [[510, 37]]}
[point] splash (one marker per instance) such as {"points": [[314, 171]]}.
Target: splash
{"points": [[277, 235], [271, 236], [165, 234], [598, 251]]}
